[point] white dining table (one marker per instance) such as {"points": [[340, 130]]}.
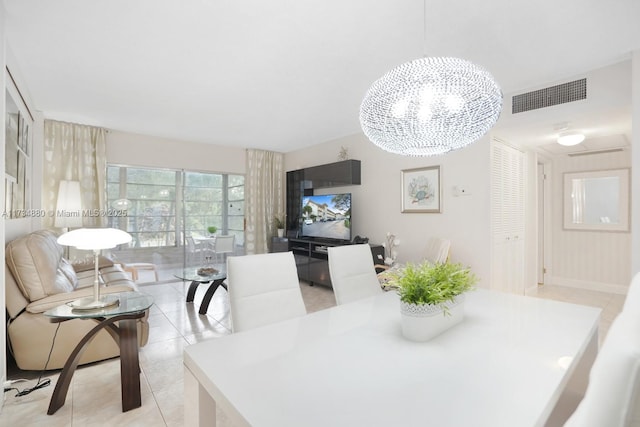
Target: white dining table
{"points": [[505, 364]]}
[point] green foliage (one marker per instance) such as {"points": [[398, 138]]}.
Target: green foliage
{"points": [[278, 221], [433, 284], [212, 229], [341, 202]]}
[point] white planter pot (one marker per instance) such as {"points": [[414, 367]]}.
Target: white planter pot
{"points": [[423, 322], [280, 232]]}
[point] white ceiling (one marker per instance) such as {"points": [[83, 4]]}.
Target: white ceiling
{"points": [[286, 74]]}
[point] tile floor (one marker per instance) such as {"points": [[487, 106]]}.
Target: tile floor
{"points": [[94, 397]]}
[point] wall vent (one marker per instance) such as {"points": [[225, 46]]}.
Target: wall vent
{"points": [[554, 95], [588, 153]]}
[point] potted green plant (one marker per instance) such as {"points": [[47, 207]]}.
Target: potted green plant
{"points": [[212, 229], [431, 297], [278, 222]]}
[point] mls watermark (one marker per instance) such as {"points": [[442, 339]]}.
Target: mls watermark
{"points": [[62, 213]]}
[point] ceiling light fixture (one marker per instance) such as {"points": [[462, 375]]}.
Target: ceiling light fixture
{"points": [[570, 138], [430, 106]]}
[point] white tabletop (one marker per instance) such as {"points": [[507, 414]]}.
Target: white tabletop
{"points": [[350, 366]]}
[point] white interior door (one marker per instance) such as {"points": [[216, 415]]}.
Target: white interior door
{"points": [[507, 218]]}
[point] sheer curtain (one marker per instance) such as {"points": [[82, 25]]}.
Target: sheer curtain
{"points": [[264, 197], [578, 196], [74, 152]]}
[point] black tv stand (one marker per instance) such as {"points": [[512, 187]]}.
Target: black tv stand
{"points": [[312, 258]]}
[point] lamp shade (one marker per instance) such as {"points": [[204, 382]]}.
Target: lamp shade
{"points": [[69, 205], [94, 238], [430, 106]]}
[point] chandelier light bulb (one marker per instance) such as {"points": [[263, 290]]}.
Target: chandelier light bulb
{"points": [[430, 106]]}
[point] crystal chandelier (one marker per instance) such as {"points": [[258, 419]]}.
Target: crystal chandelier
{"points": [[430, 106]]}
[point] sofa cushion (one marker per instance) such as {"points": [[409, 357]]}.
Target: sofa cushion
{"points": [[35, 263], [68, 272], [87, 264], [115, 275]]}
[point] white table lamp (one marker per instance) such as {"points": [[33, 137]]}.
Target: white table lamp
{"points": [[94, 239]]}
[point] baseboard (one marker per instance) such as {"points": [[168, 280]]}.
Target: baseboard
{"points": [[531, 290], [589, 285]]}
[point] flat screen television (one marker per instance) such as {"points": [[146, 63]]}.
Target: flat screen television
{"points": [[327, 216]]}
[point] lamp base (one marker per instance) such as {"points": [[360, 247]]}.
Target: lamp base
{"points": [[90, 303]]}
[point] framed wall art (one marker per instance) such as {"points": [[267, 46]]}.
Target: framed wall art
{"points": [[18, 161], [421, 190]]}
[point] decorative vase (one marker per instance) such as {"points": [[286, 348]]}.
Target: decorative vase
{"points": [[280, 232], [421, 322]]}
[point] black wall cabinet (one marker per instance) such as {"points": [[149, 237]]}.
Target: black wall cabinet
{"points": [[303, 181]]}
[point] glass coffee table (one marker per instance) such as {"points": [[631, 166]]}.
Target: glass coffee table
{"points": [[215, 279]]}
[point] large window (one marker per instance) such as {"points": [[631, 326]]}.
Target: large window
{"points": [[214, 200], [163, 205]]}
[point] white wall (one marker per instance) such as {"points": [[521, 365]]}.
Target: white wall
{"points": [[635, 172], [12, 228], [141, 150], [376, 203], [3, 323], [588, 259], [18, 227]]}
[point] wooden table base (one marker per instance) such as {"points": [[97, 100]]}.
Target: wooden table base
{"points": [[213, 287], [126, 336]]}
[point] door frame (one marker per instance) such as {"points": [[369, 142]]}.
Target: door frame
{"points": [[544, 262]]}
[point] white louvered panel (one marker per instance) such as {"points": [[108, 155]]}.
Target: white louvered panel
{"points": [[497, 190], [507, 218]]}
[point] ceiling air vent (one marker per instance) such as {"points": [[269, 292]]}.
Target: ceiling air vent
{"points": [[588, 153], [554, 95]]}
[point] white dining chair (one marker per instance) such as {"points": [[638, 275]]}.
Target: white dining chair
{"points": [[612, 398], [263, 289], [223, 245], [437, 250], [352, 272], [195, 251], [632, 301]]}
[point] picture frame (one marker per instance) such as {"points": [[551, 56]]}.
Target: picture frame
{"points": [[18, 149], [23, 136], [11, 144], [421, 190]]}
